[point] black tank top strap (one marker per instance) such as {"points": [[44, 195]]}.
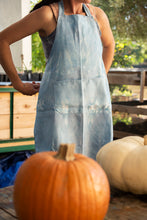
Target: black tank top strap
{"points": [[55, 9]]}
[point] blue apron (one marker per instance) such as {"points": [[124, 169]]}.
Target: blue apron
{"points": [[74, 104]]}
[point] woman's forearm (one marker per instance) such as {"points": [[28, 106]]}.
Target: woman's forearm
{"points": [[32, 23], [8, 65], [108, 54]]}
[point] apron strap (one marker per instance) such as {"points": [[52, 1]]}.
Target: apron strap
{"points": [[87, 11], [61, 9]]}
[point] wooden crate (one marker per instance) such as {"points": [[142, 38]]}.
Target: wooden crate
{"points": [[24, 115], [17, 116]]}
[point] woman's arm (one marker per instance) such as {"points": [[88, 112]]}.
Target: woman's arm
{"points": [[106, 37], [38, 20]]}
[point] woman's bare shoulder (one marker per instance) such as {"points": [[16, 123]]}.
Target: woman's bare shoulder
{"points": [[99, 15], [44, 12]]}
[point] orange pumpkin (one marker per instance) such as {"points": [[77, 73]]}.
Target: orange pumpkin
{"points": [[61, 186]]}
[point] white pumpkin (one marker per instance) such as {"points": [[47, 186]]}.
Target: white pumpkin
{"points": [[125, 163]]}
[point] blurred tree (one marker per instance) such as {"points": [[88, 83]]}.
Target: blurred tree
{"points": [[38, 57], [128, 22], [129, 53], [128, 18]]}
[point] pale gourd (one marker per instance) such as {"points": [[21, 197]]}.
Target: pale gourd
{"points": [[125, 163]]}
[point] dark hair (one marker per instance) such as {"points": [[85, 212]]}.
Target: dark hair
{"points": [[44, 2]]}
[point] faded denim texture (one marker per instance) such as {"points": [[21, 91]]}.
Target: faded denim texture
{"points": [[74, 104]]}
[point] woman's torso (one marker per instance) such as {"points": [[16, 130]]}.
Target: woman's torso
{"points": [[48, 39], [74, 102]]}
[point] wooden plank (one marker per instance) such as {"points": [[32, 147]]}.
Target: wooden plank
{"points": [[123, 98], [127, 70], [24, 115], [25, 104], [142, 84], [21, 143], [17, 148], [16, 140], [7, 88], [4, 127], [4, 103], [121, 134], [127, 79], [17, 145], [24, 120], [132, 103], [23, 125], [4, 122], [4, 134], [23, 133], [142, 110]]}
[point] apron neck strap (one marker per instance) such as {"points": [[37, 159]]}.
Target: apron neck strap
{"points": [[61, 9], [87, 11]]}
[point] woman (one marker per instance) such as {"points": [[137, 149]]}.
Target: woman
{"points": [[74, 101]]}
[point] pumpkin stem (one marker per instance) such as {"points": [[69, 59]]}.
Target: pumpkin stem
{"points": [[145, 140], [66, 152]]}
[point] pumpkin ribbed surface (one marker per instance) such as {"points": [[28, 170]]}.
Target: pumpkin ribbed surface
{"points": [[125, 163], [47, 188]]}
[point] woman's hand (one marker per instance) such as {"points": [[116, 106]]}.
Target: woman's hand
{"points": [[28, 88]]}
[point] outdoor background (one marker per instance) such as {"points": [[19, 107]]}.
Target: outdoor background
{"points": [[128, 20]]}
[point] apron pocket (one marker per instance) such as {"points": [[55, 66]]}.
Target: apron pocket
{"points": [[68, 93]]}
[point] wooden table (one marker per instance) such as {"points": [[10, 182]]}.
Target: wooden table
{"points": [[123, 206], [6, 204]]}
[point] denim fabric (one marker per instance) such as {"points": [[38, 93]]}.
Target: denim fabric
{"points": [[74, 104]]}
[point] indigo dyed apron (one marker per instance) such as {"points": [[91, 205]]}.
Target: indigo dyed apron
{"points": [[74, 104]]}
